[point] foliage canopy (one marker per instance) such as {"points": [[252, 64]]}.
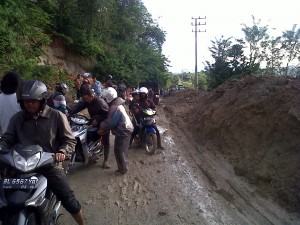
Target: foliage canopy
{"points": [[120, 36]]}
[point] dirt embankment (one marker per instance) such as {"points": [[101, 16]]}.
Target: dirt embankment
{"points": [[255, 124], [58, 54]]}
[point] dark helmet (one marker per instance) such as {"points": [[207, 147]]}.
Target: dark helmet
{"points": [[34, 89], [108, 77], [62, 88]]}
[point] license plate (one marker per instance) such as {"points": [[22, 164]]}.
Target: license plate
{"points": [[19, 183]]}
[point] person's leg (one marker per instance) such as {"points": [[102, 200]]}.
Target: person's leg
{"points": [[78, 217], [58, 183], [105, 142], [134, 133], [159, 145], [78, 95], [121, 152]]}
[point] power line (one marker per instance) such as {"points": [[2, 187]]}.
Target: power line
{"points": [[196, 24]]}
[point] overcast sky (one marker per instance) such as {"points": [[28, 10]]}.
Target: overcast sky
{"points": [[223, 17]]}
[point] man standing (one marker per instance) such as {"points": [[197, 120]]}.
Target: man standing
{"points": [[38, 124], [121, 89], [57, 100], [98, 110], [119, 123], [8, 99], [77, 85], [108, 82], [96, 85], [86, 84]]}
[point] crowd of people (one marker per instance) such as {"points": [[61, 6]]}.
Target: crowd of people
{"points": [[32, 117]]}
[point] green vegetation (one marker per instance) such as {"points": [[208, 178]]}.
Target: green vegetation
{"points": [[256, 53], [118, 36]]}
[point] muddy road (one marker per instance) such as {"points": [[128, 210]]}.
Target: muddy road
{"points": [[182, 184]]}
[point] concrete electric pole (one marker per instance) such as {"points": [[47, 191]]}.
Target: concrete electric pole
{"points": [[196, 24]]}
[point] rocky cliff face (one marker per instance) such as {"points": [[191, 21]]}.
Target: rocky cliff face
{"points": [[59, 54], [255, 124]]}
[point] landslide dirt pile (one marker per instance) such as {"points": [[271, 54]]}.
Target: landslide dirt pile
{"points": [[255, 124]]}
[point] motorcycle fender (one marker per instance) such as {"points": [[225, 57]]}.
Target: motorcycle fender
{"points": [[83, 145], [150, 129], [39, 195], [85, 153]]}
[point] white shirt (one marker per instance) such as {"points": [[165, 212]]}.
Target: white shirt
{"points": [[8, 107]]}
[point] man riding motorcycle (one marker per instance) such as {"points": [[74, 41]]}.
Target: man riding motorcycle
{"points": [[143, 102], [98, 110], [38, 124], [57, 100]]}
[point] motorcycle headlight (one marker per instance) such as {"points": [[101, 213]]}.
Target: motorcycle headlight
{"points": [[26, 165]]}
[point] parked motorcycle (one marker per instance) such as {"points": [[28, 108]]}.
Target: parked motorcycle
{"points": [[147, 133], [24, 196], [88, 147]]}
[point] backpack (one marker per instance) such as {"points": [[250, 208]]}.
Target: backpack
{"points": [[50, 102]]}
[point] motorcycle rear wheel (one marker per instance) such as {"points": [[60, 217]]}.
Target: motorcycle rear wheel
{"points": [[151, 143]]}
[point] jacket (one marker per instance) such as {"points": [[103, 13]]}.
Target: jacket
{"points": [[97, 86], [50, 130], [57, 101], [8, 107], [118, 120], [146, 104], [98, 108]]}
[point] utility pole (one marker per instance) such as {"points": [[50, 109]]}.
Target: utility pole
{"points": [[196, 24]]}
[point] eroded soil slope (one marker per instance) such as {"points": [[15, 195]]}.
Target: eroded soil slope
{"points": [[255, 124]]}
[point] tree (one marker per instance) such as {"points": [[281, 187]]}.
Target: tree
{"points": [[291, 46], [219, 71], [116, 36], [237, 60], [256, 36], [274, 56], [22, 34]]}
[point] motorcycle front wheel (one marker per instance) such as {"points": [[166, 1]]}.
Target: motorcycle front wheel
{"points": [[23, 219], [151, 143]]}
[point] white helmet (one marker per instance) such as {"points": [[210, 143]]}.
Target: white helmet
{"points": [[86, 75], [110, 94], [143, 90]]}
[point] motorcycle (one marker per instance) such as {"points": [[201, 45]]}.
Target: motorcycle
{"points": [[147, 133], [24, 195], [88, 147]]}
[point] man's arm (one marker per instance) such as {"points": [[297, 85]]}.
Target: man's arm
{"points": [[9, 138], [65, 136], [77, 107], [112, 121]]}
